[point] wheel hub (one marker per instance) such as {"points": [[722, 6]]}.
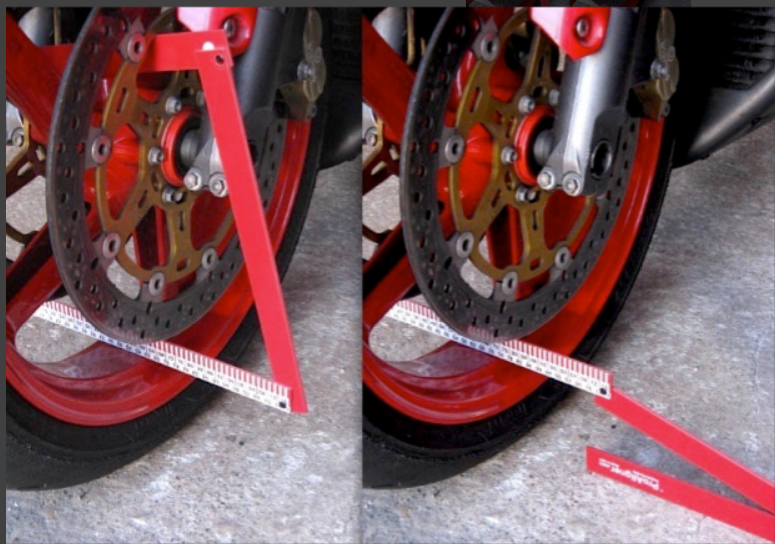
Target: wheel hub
{"points": [[531, 250]]}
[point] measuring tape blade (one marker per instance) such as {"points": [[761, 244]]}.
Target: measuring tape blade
{"points": [[207, 369], [543, 361]]}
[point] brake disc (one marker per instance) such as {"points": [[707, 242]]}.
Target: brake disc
{"points": [[460, 120], [117, 204]]}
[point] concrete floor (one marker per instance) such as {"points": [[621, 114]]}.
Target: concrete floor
{"points": [[242, 472], [696, 341]]}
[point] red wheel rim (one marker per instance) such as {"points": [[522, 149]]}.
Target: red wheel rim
{"points": [[135, 387], [473, 386]]}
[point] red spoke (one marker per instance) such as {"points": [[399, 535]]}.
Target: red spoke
{"points": [[30, 282], [387, 81]]}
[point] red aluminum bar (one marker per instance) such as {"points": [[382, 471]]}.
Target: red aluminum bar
{"points": [[208, 52], [752, 520], [387, 81], [31, 80], [699, 453]]}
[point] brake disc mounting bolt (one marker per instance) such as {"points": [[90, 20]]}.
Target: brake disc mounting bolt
{"points": [[464, 245], [510, 283], [171, 195], [526, 194], [455, 149], [489, 47], [572, 184], [527, 104], [210, 259], [563, 258], [547, 179], [111, 246], [101, 149], [173, 106], [193, 180], [156, 284], [135, 47], [509, 155], [156, 156]]}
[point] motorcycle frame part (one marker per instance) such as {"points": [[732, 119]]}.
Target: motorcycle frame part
{"points": [[208, 52], [713, 114], [592, 106], [342, 45], [238, 23]]}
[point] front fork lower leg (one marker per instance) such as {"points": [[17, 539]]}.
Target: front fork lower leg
{"points": [[591, 110]]}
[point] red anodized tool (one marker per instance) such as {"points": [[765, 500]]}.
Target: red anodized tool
{"points": [[599, 382], [207, 50]]}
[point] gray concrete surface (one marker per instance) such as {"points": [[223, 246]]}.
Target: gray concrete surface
{"points": [[243, 473], [696, 341]]}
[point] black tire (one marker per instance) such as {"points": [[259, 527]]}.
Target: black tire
{"points": [[45, 453], [401, 452]]}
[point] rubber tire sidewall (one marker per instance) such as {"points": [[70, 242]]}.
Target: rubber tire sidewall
{"points": [[401, 452]]}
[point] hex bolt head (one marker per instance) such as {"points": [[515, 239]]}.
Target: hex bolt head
{"points": [[527, 104], [547, 179], [156, 156], [193, 180], [489, 47], [173, 106], [582, 28], [509, 155], [572, 184], [526, 195], [101, 149], [218, 186], [455, 149]]}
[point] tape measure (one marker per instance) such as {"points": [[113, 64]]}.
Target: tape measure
{"points": [[207, 369], [543, 361]]}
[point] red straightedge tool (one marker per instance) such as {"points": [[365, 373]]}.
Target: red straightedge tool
{"points": [[207, 50], [760, 522], [213, 371]]}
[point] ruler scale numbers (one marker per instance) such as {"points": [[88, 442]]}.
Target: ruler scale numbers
{"points": [[207, 369], [553, 365]]}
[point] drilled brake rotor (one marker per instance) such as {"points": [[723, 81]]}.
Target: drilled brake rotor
{"points": [[115, 193], [459, 119]]}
